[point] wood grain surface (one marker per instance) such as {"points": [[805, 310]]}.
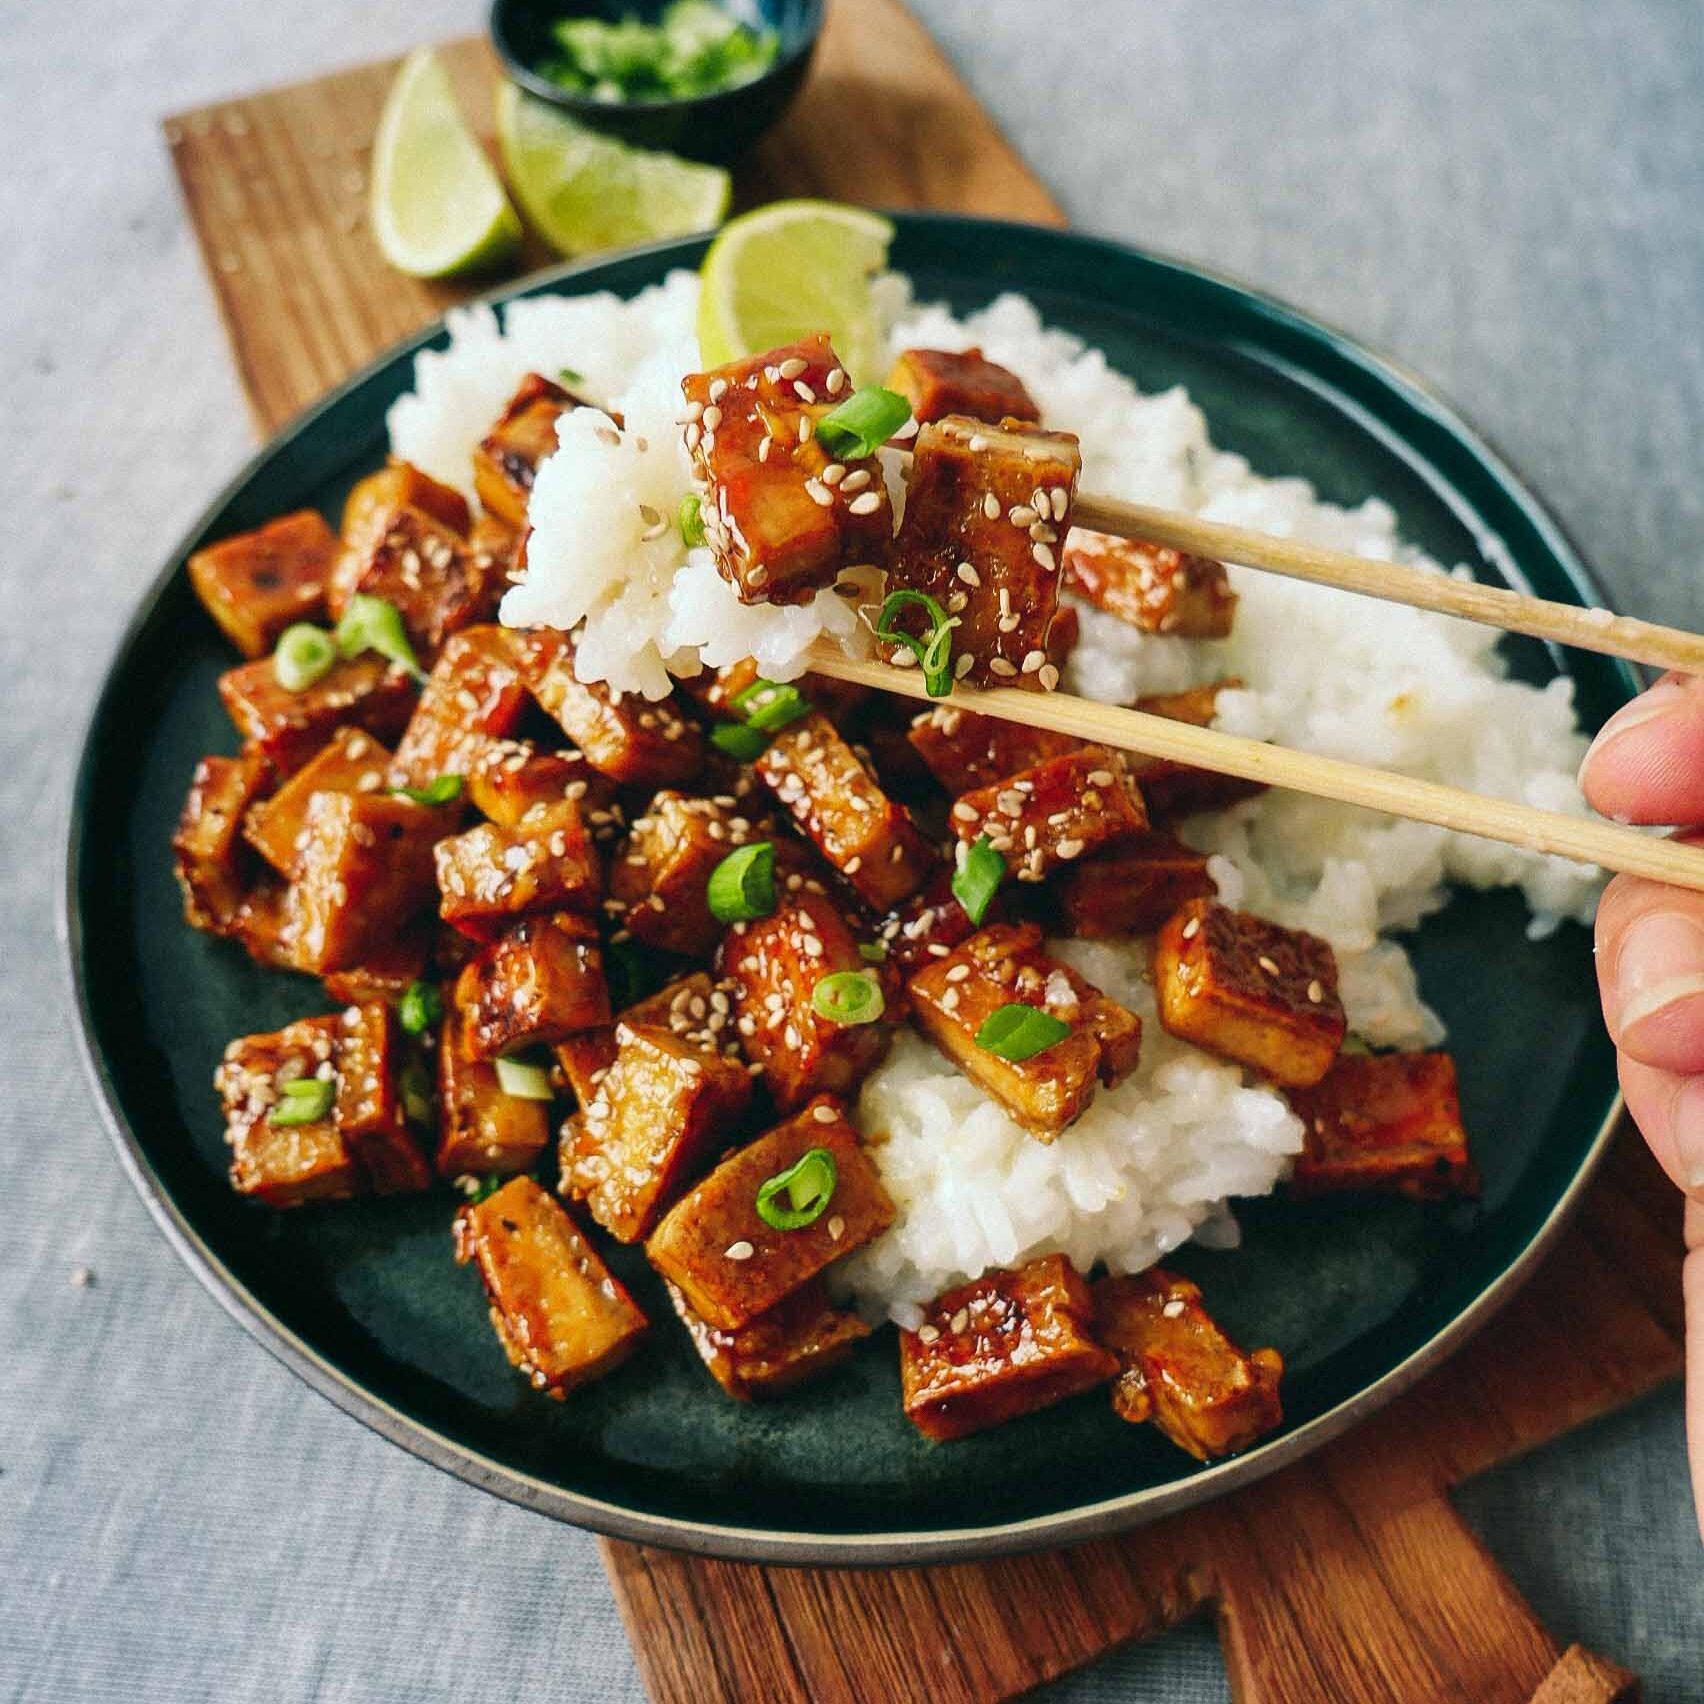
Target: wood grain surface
{"points": [[1348, 1577]]}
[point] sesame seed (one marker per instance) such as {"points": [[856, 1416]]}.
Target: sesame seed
{"points": [[958, 973], [856, 480], [803, 391], [1002, 667], [819, 493], [903, 659], [991, 506], [1173, 1308], [1020, 515], [1316, 991], [712, 418], [836, 1228], [834, 382], [741, 1250], [967, 572], [718, 389], [825, 1115], [976, 443], [928, 1333], [1100, 777], [807, 428], [1069, 849], [960, 1320], [834, 473], [865, 504], [1267, 965], [1060, 502], [1033, 661], [792, 367], [1049, 678], [1043, 555]]}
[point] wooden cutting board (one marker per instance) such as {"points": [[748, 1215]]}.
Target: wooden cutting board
{"points": [[1348, 1577]]}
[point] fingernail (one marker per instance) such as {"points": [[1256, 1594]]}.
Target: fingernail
{"points": [[1689, 1133], [1662, 699], [1660, 962]]}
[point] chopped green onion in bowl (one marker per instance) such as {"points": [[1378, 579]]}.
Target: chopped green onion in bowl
{"points": [[1017, 1032], [771, 704], [420, 1007], [523, 1080], [303, 655], [371, 624], [440, 791], [862, 423], [414, 1089], [849, 997], [304, 1100], [741, 888], [695, 48], [798, 1196], [978, 878], [934, 649]]}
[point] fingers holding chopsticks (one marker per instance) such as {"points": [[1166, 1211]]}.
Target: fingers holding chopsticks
{"points": [[1647, 764]]}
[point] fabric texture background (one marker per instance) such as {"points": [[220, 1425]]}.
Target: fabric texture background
{"points": [[1508, 196]]}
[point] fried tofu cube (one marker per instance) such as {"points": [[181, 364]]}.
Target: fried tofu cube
{"points": [[387, 971], [800, 1338], [1180, 1370], [985, 509], [844, 813], [473, 699], [284, 1165], [1250, 991], [927, 927], [731, 1264], [481, 1129], [539, 982], [1386, 1121], [266, 929], [939, 382], [1004, 965], [398, 485], [965, 751], [1130, 888], [490, 876], [660, 873], [716, 690], [1053, 814], [562, 1316], [781, 514], [258, 583], [506, 461], [362, 692], [1006, 1344], [510, 777], [208, 854], [1177, 790], [369, 1113], [1151, 586], [662, 1109], [581, 1061], [773, 966], [631, 741], [350, 762]]}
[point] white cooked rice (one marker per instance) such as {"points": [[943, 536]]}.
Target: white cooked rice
{"points": [[1155, 1160]]}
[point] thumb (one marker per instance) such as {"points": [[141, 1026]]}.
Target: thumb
{"points": [[1694, 1290], [1647, 763]]}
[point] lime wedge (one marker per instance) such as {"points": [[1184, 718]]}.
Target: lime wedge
{"points": [[788, 269], [584, 191], [437, 205]]}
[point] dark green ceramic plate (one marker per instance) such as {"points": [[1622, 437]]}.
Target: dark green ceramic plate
{"points": [[363, 1299]]}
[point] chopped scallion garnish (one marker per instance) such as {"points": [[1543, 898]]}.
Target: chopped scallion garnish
{"points": [[873, 952], [371, 624], [691, 520], [978, 878], [414, 1090], [487, 1185], [420, 1007], [742, 887], [770, 704], [862, 423], [1018, 1032], [436, 792], [305, 1100], [934, 649], [740, 739], [848, 997], [800, 1195], [304, 654], [569, 377], [522, 1080]]}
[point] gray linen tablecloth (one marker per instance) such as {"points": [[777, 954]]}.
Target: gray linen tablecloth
{"points": [[1510, 196]]}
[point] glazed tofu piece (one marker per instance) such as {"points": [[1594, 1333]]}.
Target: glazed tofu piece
{"points": [[561, 1315], [362, 692], [841, 809], [1130, 888], [927, 927], [581, 1061], [1009, 1343], [506, 461], [511, 777], [1151, 586], [773, 967], [1387, 1121], [368, 1110], [985, 510], [781, 515], [1180, 1370], [212, 863], [965, 751], [800, 1338], [1005, 965], [539, 982], [718, 689], [350, 762], [1250, 991], [265, 928], [363, 875], [490, 876], [397, 485], [1177, 790], [939, 382], [386, 972], [1055, 813], [473, 699], [634, 742], [663, 1108], [729, 1263], [427, 572], [258, 583], [480, 1128], [660, 873], [284, 1165]]}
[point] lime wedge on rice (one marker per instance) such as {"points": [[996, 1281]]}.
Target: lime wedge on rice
{"points": [[438, 207], [789, 269], [584, 191]]}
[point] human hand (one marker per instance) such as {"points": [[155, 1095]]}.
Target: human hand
{"points": [[1647, 766]]}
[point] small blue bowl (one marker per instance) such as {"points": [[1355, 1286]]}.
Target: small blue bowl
{"points": [[717, 126]]}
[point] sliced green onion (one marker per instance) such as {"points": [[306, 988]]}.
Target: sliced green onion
{"points": [[371, 624], [569, 377], [630, 972], [934, 650], [771, 704], [1018, 1032], [487, 1185], [420, 1007], [691, 519], [740, 739], [848, 997], [742, 887], [873, 952], [524, 1080], [304, 654], [306, 1100], [414, 1088], [862, 423], [800, 1195], [978, 878], [437, 792]]}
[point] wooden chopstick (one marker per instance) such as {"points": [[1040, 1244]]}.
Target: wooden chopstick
{"points": [[1495, 606], [1586, 840]]}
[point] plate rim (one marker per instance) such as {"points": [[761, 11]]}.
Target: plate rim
{"points": [[1099, 1519]]}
